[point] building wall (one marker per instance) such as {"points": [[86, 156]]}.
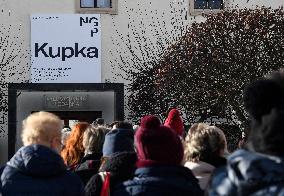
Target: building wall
{"points": [[147, 26]]}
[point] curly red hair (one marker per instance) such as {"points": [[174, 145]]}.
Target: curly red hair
{"points": [[74, 150]]}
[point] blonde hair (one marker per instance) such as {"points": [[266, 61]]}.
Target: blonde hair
{"points": [[204, 142], [40, 127], [93, 139]]}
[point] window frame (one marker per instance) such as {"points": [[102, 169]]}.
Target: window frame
{"points": [[195, 12], [88, 10]]}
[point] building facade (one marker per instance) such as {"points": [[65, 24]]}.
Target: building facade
{"points": [[128, 28]]}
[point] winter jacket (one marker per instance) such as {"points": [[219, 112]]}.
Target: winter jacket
{"points": [[38, 170], [121, 167], [160, 180], [249, 173], [202, 171], [88, 166]]}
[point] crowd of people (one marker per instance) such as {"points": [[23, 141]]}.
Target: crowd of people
{"points": [[154, 158]]}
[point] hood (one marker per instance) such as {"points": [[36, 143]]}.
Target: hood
{"points": [[121, 162], [251, 171], [200, 169], [37, 160], [121, 166]]}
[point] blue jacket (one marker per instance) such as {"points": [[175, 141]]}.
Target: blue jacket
{"points": [[38, 170], [249, 173], [160, 180]]}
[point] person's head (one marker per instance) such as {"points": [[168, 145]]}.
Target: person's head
{"points": [[42, 128], [99, 122], [122, 125], [264, 101], [118, 140], [74, 150], [175, 122], [135, 128], [65, 134], [223, 138], [158, 143], [114, 123], [93, 139], [204, 142]]}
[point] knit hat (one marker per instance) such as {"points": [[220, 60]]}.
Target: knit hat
{"points": [[174, 121], [118, 140], [159, 143]]}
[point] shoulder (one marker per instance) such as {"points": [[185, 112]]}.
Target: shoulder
{"points": [[94, 185], [86, 174], [14, 182], [220, 183], [8, 173], [71, 177], [276, 189], [95, 179], [72, 182], [2, 169], [177, 181], [154, 187]]}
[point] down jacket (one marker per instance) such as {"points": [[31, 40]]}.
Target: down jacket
{"points": [[249, 173], [160, 180], [38, 170]]}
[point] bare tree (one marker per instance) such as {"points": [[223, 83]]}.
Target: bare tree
{"points": [[14, 62]]}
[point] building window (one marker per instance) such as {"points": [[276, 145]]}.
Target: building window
{"points": [[97, 6], [206, 6]]}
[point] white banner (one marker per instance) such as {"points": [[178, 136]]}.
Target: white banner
{"points": [[66, 48]]}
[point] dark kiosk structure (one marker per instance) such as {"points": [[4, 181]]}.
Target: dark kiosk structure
{"points": [[76, 101]]}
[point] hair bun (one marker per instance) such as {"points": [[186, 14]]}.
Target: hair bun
{"points": [[150, 122]]}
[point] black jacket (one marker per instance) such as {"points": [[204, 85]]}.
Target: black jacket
{"points": [[88, 166], [121, 167]]}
